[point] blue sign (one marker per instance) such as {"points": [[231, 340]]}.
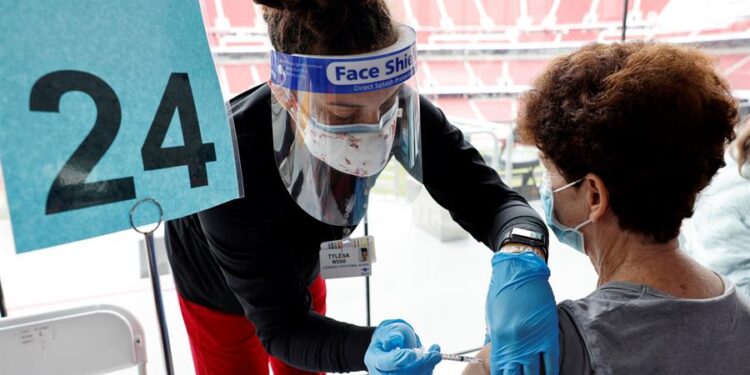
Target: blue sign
{"points": [[105, 103]]}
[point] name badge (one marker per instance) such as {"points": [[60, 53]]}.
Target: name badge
{"points": [[350, 257]]}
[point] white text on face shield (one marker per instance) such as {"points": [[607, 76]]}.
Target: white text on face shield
{"points": [[369, 71]]}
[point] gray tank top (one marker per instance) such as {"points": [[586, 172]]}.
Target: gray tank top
{"points": [[624, 328]]}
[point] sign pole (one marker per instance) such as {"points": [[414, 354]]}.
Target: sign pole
{"points": [[155, 284], [3, 311], [367, 282]]}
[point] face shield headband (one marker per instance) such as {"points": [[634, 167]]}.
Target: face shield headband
{"points": [[337, 120]]}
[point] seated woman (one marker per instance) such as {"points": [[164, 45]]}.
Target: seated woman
{"points": [[718, 235], [630, 134]]}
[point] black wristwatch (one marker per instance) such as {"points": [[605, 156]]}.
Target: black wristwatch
{"points": [[525, 237]]}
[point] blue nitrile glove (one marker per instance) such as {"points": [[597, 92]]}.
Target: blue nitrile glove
{"points": [[395, 349], [522, 316]]}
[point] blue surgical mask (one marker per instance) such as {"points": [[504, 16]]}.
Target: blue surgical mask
{"points": [[385, 119], [569, 236]]}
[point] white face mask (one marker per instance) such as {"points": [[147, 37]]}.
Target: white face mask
{"points": [[361, 150]]}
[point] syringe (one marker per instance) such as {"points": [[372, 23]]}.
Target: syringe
{"points": [[460, 358], [453, 357]]}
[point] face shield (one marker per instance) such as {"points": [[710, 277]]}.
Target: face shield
{"points": [[338, 121]]}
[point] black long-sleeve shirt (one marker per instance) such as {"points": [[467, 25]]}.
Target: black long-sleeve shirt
{"points": [[258, 254]]}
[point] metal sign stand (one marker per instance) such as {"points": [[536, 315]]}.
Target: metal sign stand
{"points": [[624, 20], [154, 273], [3, 311]]}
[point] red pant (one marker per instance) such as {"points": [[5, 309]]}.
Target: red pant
{"points": [[226, 344]]}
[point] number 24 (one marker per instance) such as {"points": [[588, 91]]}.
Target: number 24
{"points": [[70, 191]]}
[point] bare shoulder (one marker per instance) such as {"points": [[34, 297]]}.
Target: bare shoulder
{"points": [[484, 367]]}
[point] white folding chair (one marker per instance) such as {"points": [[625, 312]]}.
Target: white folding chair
{"points": [[85, 340]]}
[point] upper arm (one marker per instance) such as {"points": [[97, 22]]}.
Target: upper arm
{"points": [[480, 368], [574, 357], [457, 177]]}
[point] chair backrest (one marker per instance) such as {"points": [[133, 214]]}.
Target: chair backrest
{"points": [[85, 340]]}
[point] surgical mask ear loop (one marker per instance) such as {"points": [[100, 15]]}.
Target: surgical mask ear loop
{"points": [[579, 226], [574, 183], [587, 221]]}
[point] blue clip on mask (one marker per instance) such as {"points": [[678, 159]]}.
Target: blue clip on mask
{"points": [[569, 236]]}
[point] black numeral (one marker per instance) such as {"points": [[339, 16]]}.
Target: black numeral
{"points": [[70, 191], [194, 153]]}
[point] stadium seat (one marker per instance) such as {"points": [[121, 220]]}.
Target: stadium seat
{"points": [[496, 109], [572, 11], [448, 25], [652, 8], [239, 78], [241, 13], [611, 10], [523, 72], [538, 10], [449, 73], [456, 107], [427, 14], [463, 13], [503, 12]]}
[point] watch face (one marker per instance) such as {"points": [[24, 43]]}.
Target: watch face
{"points": [[526, 233]]}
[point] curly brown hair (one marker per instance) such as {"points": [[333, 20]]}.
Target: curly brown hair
{"points": [[650, 119], [328, 27]]}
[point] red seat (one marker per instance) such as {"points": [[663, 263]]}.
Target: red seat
{"points": [[208, 10], [584, 35], [423, 36], [537, 36], [449, 73], [239, 78], [572, 11], [740, 78], [489, 72], [462, 12], [523, 72], [398, 12], [675, 34], [264, 72], [503, 12], [496, 109], [241, 13], [427, 13], [652, 6], [423, 79], [538, 10], [611, 10], [456, 107], [736, 27], [725, 62]]}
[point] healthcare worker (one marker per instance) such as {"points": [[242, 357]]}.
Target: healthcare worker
{"points": [[341, 103]]}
